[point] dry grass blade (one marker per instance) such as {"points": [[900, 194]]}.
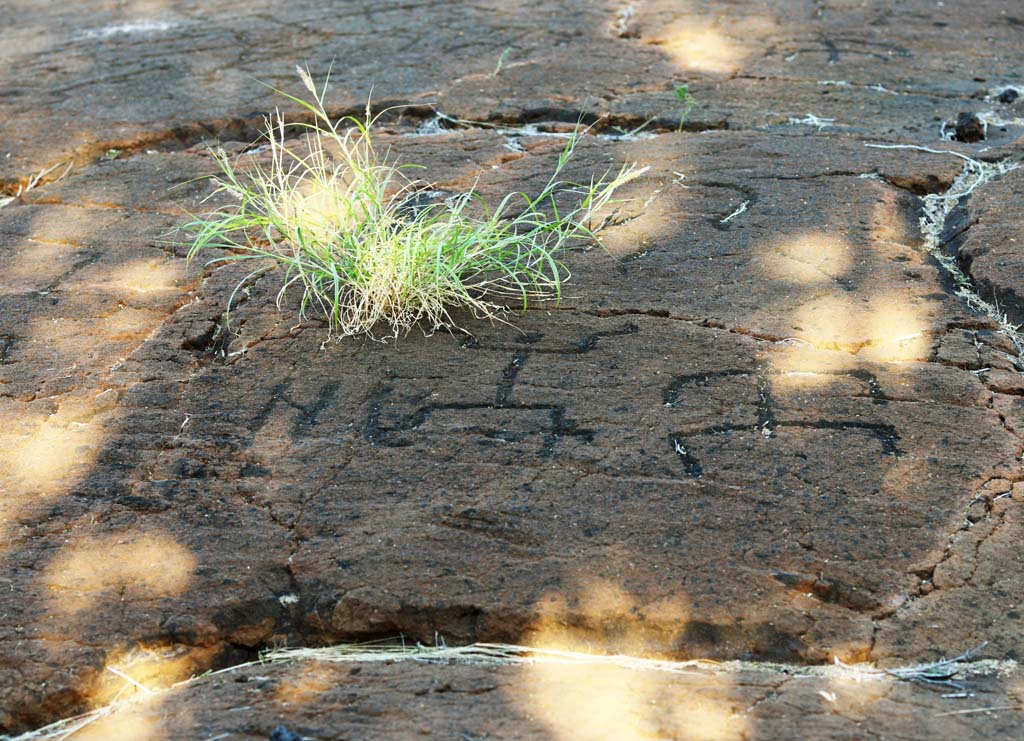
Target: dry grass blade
{"points": [[986, 709], [35, 181], [504, 654], [477, 653], [943, 672]]}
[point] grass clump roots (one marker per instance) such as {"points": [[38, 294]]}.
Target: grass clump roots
{"points": [[348, 227]]}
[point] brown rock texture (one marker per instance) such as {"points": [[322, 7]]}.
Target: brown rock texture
{"points": [[986, 239], [545, 700], [764, 424]]}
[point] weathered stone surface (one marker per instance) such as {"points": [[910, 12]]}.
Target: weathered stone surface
{"points": [[311, 699], [108, 75], [976, 579], [760, 426], [990, 244], [255, 488]]}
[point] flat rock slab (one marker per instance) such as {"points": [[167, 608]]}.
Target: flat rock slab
{"points": [[763, 424], [561, 700]]}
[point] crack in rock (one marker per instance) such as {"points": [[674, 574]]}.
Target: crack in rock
{"points": [[936, 209]]}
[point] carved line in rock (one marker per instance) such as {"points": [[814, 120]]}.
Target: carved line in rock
{"points": [[855, 47], [767, 422], [886, 435], [391, 434], [763, 371], [748, 193]]}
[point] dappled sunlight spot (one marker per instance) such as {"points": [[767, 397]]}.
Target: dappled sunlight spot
{"points": [[814, 258], [702, 49], [305, 683], [880, 329], [140, 720], [834, 335], [800, 365], [43, 455], [147, 668], [135, 694], [853, 693], [129, 324], [716, 46], [127, 567], [831, 322], [93, 342], [897, 332], [134, 688], [584, 700], [604, 618], [48, 456], [640, 224], [704, 714], [144, 276], [585, 687], [74, 227], [837, 330], [36, 266]]}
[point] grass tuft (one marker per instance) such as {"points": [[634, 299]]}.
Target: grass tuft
{"points": [[348, 228]]}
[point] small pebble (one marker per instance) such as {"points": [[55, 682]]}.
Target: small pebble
{"points": [[969, 128], [1009, 95], [283, 734]]}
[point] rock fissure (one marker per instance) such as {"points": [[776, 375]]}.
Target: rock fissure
{"points": [[427, 120], [937, 209]]}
